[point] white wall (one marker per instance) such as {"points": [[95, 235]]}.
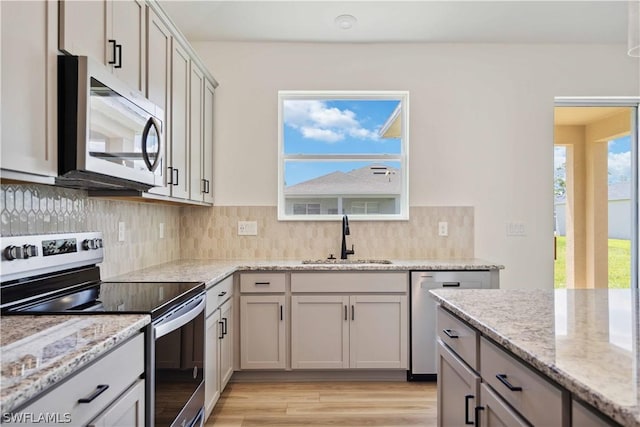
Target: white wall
{"points": [[481, 130]]}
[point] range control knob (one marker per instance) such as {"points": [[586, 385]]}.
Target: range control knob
{"points": [[91, 244], [20, 252]]}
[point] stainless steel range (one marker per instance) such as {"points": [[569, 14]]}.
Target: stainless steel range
{"points": [[57, 274]]}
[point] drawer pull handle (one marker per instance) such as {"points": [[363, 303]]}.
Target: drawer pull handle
{"points": [[345, 313], [99, 390], [450, 284], [281, 313], [467, 398], [262, 283], [503, 379], [223, 293], [450, 333], [221, 336], [224, 326]]}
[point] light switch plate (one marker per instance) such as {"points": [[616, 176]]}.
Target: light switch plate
{"points": [[516, 228], [247, 228]]}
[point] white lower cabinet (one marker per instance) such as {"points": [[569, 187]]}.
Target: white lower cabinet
{"points": [[108, 392], [262, 332], [218, 342], [128, 410], [495, 412], [349, 331], [460, 384]]}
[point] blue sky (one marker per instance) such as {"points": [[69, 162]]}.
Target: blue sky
{"points": [[334, 127], [619, 159]]}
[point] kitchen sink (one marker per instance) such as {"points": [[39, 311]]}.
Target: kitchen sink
{"points": [[346, 261]]}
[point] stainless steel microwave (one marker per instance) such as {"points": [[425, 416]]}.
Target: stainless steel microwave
{"points": [[110, 137]]}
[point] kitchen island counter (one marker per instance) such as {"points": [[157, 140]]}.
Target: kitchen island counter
{"points": [[585, 340], [40, 351]]}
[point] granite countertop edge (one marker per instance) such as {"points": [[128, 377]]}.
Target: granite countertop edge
{"points": [[621, 414], [212, 271], [17, 395]]}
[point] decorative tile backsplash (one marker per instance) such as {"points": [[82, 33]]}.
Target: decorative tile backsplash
{"points": [[211, 233], [41, 209]]}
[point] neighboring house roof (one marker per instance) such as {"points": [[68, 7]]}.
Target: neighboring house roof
{"points": [[362, 181], [617, 191]]}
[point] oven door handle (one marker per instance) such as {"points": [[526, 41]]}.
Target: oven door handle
{"points": [[181, 317]]}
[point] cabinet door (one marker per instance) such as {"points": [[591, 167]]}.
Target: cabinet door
{"points": [[262, 332], [126, 25], [83, 26], [159, 83], [213, 338], [226, 345], [28, 90], [458, 389], [378, 331], [495, 412], [207, 142], [178, 176], [196, 85], [128, 410], [320, 332]]}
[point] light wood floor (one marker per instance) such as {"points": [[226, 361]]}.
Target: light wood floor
{"points": [[326, 404]]}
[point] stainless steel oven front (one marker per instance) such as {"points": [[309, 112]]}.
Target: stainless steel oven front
{"points": [[177, 366]]}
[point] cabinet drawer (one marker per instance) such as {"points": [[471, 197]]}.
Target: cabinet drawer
{"points": [[460, 337], [219, 293], [117, 370], [351, 282], [262, 282], [535, 398]]}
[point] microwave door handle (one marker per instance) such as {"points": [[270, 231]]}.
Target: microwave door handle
{"points": [[145, 137]]}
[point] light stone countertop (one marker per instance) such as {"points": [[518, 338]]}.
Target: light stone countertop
{"points": [[37, 352], [588, 341], [212, 271]]}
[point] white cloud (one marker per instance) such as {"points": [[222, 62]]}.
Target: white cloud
{"points": [[321, 134], [619, 166], [315, 120]]}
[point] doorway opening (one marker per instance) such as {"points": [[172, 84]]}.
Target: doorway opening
{"points": [[594, 183]]}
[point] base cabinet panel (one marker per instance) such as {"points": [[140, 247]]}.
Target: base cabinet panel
{"points": [[262, 332], [128, 410], [495, 412], [211, 370], [319, 332], [461, 387]]}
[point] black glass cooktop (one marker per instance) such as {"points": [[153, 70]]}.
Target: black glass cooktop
{"points": [[145, 297]]}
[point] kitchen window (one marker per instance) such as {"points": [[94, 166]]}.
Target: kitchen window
{"points": [[343, 153]]}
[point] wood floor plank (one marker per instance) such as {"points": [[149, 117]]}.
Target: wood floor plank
{"points": [[329, 404]]}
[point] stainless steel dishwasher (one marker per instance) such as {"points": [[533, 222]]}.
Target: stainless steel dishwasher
{"points": [[423, 313]]}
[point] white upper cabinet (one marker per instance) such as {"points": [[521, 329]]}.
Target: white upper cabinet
{"points": [[159, 83], [112, 32], [207, 143], [196, 85], [28, 106]]}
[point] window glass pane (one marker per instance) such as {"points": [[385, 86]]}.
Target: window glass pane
{"points": [[364, 126]]}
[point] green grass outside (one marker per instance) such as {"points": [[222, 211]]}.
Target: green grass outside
{"points": [[619, 263]]}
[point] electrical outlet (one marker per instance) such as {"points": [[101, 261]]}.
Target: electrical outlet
{"points": [[516, 228], [161, 230], [247, 228], [121, 231], [443, 228]]}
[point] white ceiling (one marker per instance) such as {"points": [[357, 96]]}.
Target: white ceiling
{"points": [[538, 21]]}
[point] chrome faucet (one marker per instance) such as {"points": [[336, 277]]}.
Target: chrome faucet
{"points": [[345, 232]]}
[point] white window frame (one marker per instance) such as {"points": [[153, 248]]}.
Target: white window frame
{"points": [[402, 158]]}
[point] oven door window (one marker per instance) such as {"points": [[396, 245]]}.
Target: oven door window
{"points": [[179, 369]]}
